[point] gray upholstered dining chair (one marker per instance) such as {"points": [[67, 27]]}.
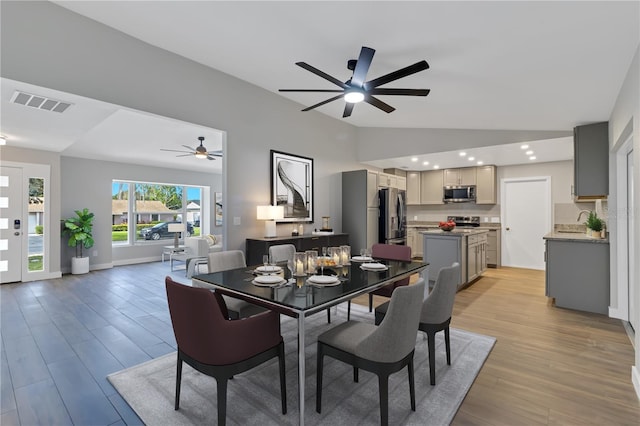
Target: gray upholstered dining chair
{"points": [[383, 349], [224, 261], [436, 313], [282, 253], [218, 347]]}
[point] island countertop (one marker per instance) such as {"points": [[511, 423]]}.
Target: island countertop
{"points": [[575, 236], [456, 232]]}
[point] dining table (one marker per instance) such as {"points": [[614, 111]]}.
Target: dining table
{"points": [[299, 297]]}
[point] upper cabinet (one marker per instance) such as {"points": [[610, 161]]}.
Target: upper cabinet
{"points": [[591, 161], [386, 180], [463, 176], [413, 187], [486, 192], [431, 184]]}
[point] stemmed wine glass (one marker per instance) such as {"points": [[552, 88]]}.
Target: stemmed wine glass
{"points": [[290, 267]]}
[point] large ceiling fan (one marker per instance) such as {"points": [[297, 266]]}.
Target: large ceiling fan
{"points": [[199, 152], [356, 89]]}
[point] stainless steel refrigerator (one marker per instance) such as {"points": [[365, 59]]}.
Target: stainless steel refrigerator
{"points": [[392, 225]]}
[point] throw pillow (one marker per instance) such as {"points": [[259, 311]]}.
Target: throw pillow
{"points": [[211, 239]]}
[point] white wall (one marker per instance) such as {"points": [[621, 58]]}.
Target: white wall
{"points": [[626, 115]]}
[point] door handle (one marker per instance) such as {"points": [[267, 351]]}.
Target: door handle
{"points": [[17, 233], [507, 229]]}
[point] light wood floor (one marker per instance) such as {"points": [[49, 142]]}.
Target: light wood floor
{"points": [[549, 365]]}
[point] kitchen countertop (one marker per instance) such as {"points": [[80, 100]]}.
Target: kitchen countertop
{"points": [[575, 236], [426, 224], [457, 232]]}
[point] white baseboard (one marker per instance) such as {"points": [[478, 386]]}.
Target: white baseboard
{"points": [[617, 313], [635, 379], [67, 269], [138, 260], [41, 276]]}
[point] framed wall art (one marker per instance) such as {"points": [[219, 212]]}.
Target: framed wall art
{"points": [[218, 208], [292, 186]]}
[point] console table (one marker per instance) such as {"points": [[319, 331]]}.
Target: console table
{"points": [[256, 247]]}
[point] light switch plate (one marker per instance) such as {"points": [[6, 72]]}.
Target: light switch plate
{"points": [[495, 219], [236, 220]]}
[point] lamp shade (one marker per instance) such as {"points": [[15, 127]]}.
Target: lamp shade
{"points": [[175, 227], [270, 212]]}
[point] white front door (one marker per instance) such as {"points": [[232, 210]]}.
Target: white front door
{"points": [[11, 211], [526, 218]]}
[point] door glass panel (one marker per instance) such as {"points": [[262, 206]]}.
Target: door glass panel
{"points": [[4, 181], [4, 223], [4, 202], [4, 245], [4, 265], [35, 226]]}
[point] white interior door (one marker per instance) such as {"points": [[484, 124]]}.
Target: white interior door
{"points": [[10, 211], [630, 233], [526, 218]]}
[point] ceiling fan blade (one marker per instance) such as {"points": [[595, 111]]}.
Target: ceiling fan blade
{"points": [[209, 157], [405, 92], [185, 155], [172, 150], [348, 109], [310, 90], [379, 104], [322, 103], [188, 147], [322, 74], [362, 66], [387, 78]]}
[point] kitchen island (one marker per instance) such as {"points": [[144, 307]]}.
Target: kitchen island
{"points": [[577, 271], [465, 246]]}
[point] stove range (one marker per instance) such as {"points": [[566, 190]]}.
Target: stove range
{"points": [[465, 221]]}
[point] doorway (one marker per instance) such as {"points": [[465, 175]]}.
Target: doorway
{"points": [[526, 218]]}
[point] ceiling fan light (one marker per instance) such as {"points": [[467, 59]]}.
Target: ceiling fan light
{"points": [[201, 155], [354, 96]]}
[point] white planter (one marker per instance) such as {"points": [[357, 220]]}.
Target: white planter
{"points": [[79, 265]]}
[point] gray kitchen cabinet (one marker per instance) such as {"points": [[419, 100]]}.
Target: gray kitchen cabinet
{"points": [[486, 191], [462, 176], [411, 240], [476, 255], [413, 187], [591, 161], [418, 243], [360, 208], [431, 184], [493, 248], [577, 274]]}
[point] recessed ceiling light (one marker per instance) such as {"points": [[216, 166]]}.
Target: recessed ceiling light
{"points": [[462, 154], [414, 159], [436, 167], [480, 163], [471, 158], [425, 163], [529, 152], [524, 147], [533, 157]]}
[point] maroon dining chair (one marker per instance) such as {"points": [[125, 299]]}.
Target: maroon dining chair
{"points": [[218, 347], [389, 252]]}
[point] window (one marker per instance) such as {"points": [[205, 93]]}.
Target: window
{"points": [[36, 224], [141, 212]]}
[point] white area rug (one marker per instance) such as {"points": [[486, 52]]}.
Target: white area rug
{"points": [[254, 397]]}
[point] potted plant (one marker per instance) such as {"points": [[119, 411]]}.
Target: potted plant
{"points": [[590, 222], [596, 227], [79, 229]]}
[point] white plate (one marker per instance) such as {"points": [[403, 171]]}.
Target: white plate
{"points": [[268, 269], [267, 280], [362, 258], [323, 279], [374, 267]]}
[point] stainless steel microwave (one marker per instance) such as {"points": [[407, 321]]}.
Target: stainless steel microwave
{"points": [[459, 194]]}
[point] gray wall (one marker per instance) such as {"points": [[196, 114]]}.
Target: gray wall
{"points": [[89, 59], [87, 183]]}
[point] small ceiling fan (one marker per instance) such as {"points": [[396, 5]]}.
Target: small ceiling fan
{"points": [[356, 89], [199, 152]]}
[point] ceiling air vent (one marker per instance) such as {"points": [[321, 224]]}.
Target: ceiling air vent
{"points": [[40, 102]]}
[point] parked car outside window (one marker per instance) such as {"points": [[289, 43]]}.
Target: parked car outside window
{"points": [[161, 230]]}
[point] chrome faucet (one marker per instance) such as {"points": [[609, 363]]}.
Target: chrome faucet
{"points": [[580, 214]]}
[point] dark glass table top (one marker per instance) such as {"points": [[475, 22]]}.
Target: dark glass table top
{"points": [[302, 297]]}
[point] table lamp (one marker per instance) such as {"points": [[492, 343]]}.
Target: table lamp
{"points": [[176, 228], [270, 214]]}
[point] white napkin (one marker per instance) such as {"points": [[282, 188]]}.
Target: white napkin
{"points": [[374, 266], [267, 280]]}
